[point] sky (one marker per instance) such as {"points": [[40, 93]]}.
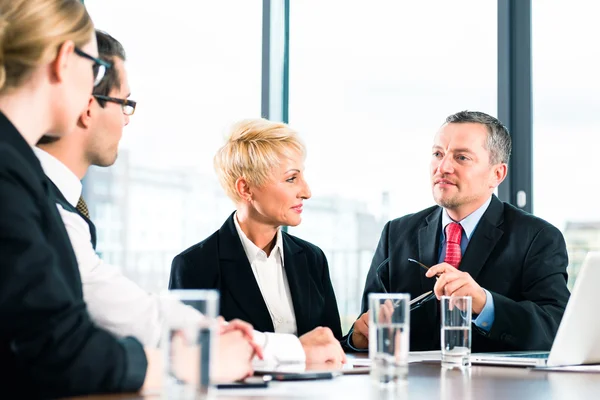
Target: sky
{"points": [[370, 83]]}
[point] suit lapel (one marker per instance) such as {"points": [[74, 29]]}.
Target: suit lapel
{"points": [[296, 270], [484, 239], [429, 242], [239, 279]]}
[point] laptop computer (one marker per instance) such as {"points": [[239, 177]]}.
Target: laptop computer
{"points": [[578, 338]]}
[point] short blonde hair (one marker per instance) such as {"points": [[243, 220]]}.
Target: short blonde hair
{"points": [[32, 31], [253, 149]]}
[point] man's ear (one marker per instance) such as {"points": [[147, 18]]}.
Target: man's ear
{"points": [[60, 65], [85, 119], [499, 173]]}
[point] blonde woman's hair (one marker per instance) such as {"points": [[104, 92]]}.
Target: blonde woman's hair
{"points": [[31, 33], [253, 149]]}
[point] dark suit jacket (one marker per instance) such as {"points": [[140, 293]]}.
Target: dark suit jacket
{"points": [[219, 262], [49, 347], [519, 258]]}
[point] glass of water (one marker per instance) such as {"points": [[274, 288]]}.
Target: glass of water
{"points": [[389, 334], [456, 331], [189, 345]]}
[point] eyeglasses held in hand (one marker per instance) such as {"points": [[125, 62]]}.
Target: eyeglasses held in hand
{"points": [[99, 67], [127, 105], [417, 301]]}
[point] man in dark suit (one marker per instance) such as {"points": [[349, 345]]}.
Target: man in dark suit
{"points": [[511, 263]]}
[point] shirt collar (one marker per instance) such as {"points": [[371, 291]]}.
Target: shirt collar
{"points": [[65, 180], [469, 223], [252, 251]]}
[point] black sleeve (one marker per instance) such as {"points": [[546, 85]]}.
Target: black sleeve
{"points": [[531, 324], [331, 316], [46, 333]]}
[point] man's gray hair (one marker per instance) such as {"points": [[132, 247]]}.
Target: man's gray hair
{"points": [[498, 141]]}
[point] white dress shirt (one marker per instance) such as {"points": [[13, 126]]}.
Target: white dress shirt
{"points": [[118, 304], [270, 275]]}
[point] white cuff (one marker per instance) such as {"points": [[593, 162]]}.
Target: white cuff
{"points": [[280, 347]]}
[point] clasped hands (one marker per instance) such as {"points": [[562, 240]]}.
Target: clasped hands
{"points": [[236, 350]]}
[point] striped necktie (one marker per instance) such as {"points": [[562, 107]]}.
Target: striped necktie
{"points": [[453, 237]]}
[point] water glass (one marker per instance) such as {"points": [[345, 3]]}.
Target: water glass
{"points": [[456, 331], [389, 337], [189, 345]]}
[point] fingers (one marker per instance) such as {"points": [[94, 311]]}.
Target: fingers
{"points": [[360, 332], [362, 325], [320, 345], [239, 325], [388, 308], [257, 350], [452, 288], [446, 278], [337, 353], [478, 296], [458, 283], [247, 331], [333, 346], [344, 358], [386, 312], [234, 354], [439, 269]]}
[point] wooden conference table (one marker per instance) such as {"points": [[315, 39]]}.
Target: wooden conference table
{"points": [[427, 380]]}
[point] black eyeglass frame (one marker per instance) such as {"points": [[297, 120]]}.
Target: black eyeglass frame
{"points": [[420, 300], [123, 102], [98, 63]]}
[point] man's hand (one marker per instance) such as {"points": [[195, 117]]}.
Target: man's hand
{"points": [[320, 346], [453, 282], [234, 357], [360, 334], [154, 373]]}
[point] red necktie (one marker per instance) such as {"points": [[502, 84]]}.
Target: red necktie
{"points": [[453, 236]]}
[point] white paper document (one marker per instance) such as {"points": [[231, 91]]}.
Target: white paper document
{"points": [[571, 368], [413, 356]]}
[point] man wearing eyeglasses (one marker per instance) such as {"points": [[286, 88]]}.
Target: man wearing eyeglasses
{"points": [[511, 263], [115, 302]]}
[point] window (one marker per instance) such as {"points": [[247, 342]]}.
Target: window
{"points": [[369, 87], [566, 106], [194, 68]]}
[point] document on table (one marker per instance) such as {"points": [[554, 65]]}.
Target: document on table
{"points": [[413, 356], [571, 368]]}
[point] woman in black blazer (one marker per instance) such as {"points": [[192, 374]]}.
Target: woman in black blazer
{"points": [[49, 346], [276, 281]]}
